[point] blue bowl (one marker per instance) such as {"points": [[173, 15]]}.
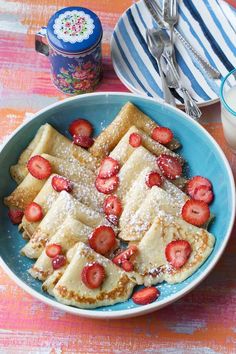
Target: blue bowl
{"points": [[199, 149]]}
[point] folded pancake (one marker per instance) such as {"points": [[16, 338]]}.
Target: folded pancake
{"points": [[18, 172], [151, 261], [70, 290], [28, 189], [54, 278], [47, 140], [123, 149], [85, 157], [85, 193], [128, 116], [69, 233], [134, 197], [65, 205], [140, 159], [157, 200], [139, 191]]}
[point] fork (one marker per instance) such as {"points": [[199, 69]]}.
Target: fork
{"points": [[191, 108], [156, 49], [170, 15]]}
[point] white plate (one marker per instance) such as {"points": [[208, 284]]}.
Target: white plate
{"points": [[209, 25]]}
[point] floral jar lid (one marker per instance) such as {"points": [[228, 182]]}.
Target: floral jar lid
{"points": [[74, 30]]}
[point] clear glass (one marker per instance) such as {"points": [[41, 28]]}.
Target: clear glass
{"points": [[228, 108]]}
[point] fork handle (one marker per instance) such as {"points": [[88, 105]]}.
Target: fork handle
{"points": [[166, 91], [191, 107]]}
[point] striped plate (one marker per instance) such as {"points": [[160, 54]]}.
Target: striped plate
{"points": [[209, 25]]}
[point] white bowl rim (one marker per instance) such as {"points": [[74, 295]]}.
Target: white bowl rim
{"points": [[153, 306]]}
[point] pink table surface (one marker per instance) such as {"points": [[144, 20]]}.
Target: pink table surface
{"points": [[204, 321]]}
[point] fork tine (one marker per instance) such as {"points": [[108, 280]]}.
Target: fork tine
{"points": [[170, 10], [165, 9], [174, 8]]}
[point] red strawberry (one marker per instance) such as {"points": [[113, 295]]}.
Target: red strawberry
{"points": [[61, 184], [154, 179], [135, 140], [127, 266], [177, 253], [195, 182], [107, 185], [93, 275], [169, 166], [39, 167], [83, 141], [203, 193], [195, 212], [145, 296], [126, 255], [53, 250], [162, 135], [15, 216], [112, 206], [81, 127], [113, 219], [33, 212], [58, 261], [109, 167], [103, 239]]}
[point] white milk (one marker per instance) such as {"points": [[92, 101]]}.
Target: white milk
{"points": [[228, 119]]}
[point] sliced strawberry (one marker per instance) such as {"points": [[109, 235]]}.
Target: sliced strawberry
{"points": [[177, 253], [154, 179], [145, 296], [103, 239], [33, 212], [107, 185], [127, 255], [162, 135], [53, 250], [127, 266], [113, 219], [93, 275], [170, 166], [109, 167], [81, 127], [203, 193], [59, 261], [135, 140], [83, 141], [196, 212], [112, 206], [61, 184], [195, 182], [15, 216], [39, 167]]}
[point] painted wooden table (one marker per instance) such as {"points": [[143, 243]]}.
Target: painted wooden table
{"points": [[204, 321]]}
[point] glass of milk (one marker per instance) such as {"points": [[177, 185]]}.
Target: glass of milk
{"points": [[228, 108]]}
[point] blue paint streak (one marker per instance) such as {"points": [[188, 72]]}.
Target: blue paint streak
{"points": [[221, 28], [128, 64], [215, 46], [142, 67]]}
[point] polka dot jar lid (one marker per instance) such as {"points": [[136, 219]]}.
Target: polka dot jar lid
{"points": [[74, 30]]}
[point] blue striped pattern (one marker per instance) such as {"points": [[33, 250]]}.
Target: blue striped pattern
{"points": [[209, 25]]}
